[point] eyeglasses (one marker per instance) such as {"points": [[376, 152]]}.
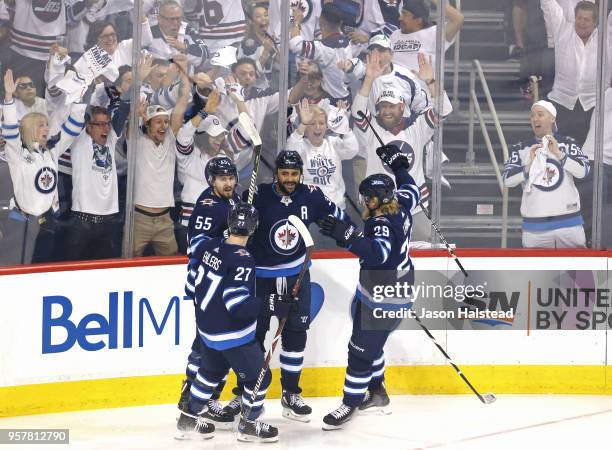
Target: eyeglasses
{"points": [[26, 85], [100, 124], [108, 37], [178, 19]]}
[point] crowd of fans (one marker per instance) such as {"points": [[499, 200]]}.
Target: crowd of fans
{"points": [[68, 85]]}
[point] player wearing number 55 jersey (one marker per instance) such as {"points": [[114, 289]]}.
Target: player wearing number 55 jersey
{"points": [[226, 316], [208, 221], [546, 167], [279, 252], [384, 259]]}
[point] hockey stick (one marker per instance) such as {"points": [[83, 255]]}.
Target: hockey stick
{"points": [[425, 210], [249, 127], [303, 230], [484, 398]]}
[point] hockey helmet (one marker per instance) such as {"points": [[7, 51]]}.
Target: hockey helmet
{"points": [[217, 166], [378, 185], [289, 159], [242, 219]]}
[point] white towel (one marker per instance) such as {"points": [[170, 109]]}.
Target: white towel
{"points": [[537, 171]]}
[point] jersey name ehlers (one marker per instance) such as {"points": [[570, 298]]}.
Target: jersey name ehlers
{"points": [[211, 260]]}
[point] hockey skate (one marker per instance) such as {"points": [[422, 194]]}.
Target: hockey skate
{"points": [[337, 418], [294, 407], [217, 415], [190, 426], [233, 407], [256, 431], [184, 400], [376, 402]]}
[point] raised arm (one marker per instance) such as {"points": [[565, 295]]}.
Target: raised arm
{"points": [[454, 20]]}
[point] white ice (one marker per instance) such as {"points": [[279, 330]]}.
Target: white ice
{"points": [[449, 422]]}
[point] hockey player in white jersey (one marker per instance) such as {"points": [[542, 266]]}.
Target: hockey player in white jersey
{"points": [[546, 167], [333, 47], [323, 154], [409, 134]]}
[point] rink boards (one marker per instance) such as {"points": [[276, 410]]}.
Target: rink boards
{"points": [[118, 333]]}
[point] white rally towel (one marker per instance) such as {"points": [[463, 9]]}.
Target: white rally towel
{"points": [[224, 57], [537, 171], [95, 62], [337, 120]]}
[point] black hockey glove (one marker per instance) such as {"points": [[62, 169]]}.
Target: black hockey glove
{"points": [[393, 157], [280, 305], [341, 232]]}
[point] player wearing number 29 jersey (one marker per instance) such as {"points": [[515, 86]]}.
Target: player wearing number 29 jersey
{"points": [[219, 22]]}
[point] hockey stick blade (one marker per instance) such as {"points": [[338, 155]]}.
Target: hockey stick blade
{"points": [[302, 229], [489, 398], [249, 127]]}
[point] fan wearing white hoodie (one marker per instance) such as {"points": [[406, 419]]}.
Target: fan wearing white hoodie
{"points": [[322, 154]]}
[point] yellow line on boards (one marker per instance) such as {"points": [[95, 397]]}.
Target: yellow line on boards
{"points": [[316, 382]]}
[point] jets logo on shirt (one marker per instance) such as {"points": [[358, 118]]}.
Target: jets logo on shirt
{"points": [[323, 170], [552, 177], [242, 252], [45, 180], [409, 45], [208, 202], [47, 10], [407, 150], [284, 237], [304, 5]]}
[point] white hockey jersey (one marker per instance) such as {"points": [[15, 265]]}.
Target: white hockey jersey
{"points": [[556, 204], [400, 78], [94, 176], [410, 137], [191, 166], [323, 165], [34, 173], [221, 22]]}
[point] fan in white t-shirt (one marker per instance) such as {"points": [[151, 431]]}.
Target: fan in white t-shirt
{"points": [[416, 35], [322, 154]]}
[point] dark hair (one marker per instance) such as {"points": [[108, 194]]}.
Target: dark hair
{"points": [[94, 111], [242, 61], [95, 30], [331, 15], [123, 70], [588, 6]]}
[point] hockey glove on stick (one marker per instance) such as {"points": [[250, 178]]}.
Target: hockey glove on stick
{"points": [[393, 157], [280, 305], [341, 232]]}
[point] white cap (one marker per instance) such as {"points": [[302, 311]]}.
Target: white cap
{"points": [[211, 126], [390, 95], [381, 40], [548, 106], [154, 111]]}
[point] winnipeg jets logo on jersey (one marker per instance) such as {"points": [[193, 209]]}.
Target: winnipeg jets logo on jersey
{"points": [[45, 180], [47, 10], [208, 202], [242, 252], [286, 200], [321, 170], [552, 177], [284, 237]]}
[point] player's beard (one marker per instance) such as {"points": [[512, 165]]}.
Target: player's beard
{"points": [[283, 189], [225, 193]]}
